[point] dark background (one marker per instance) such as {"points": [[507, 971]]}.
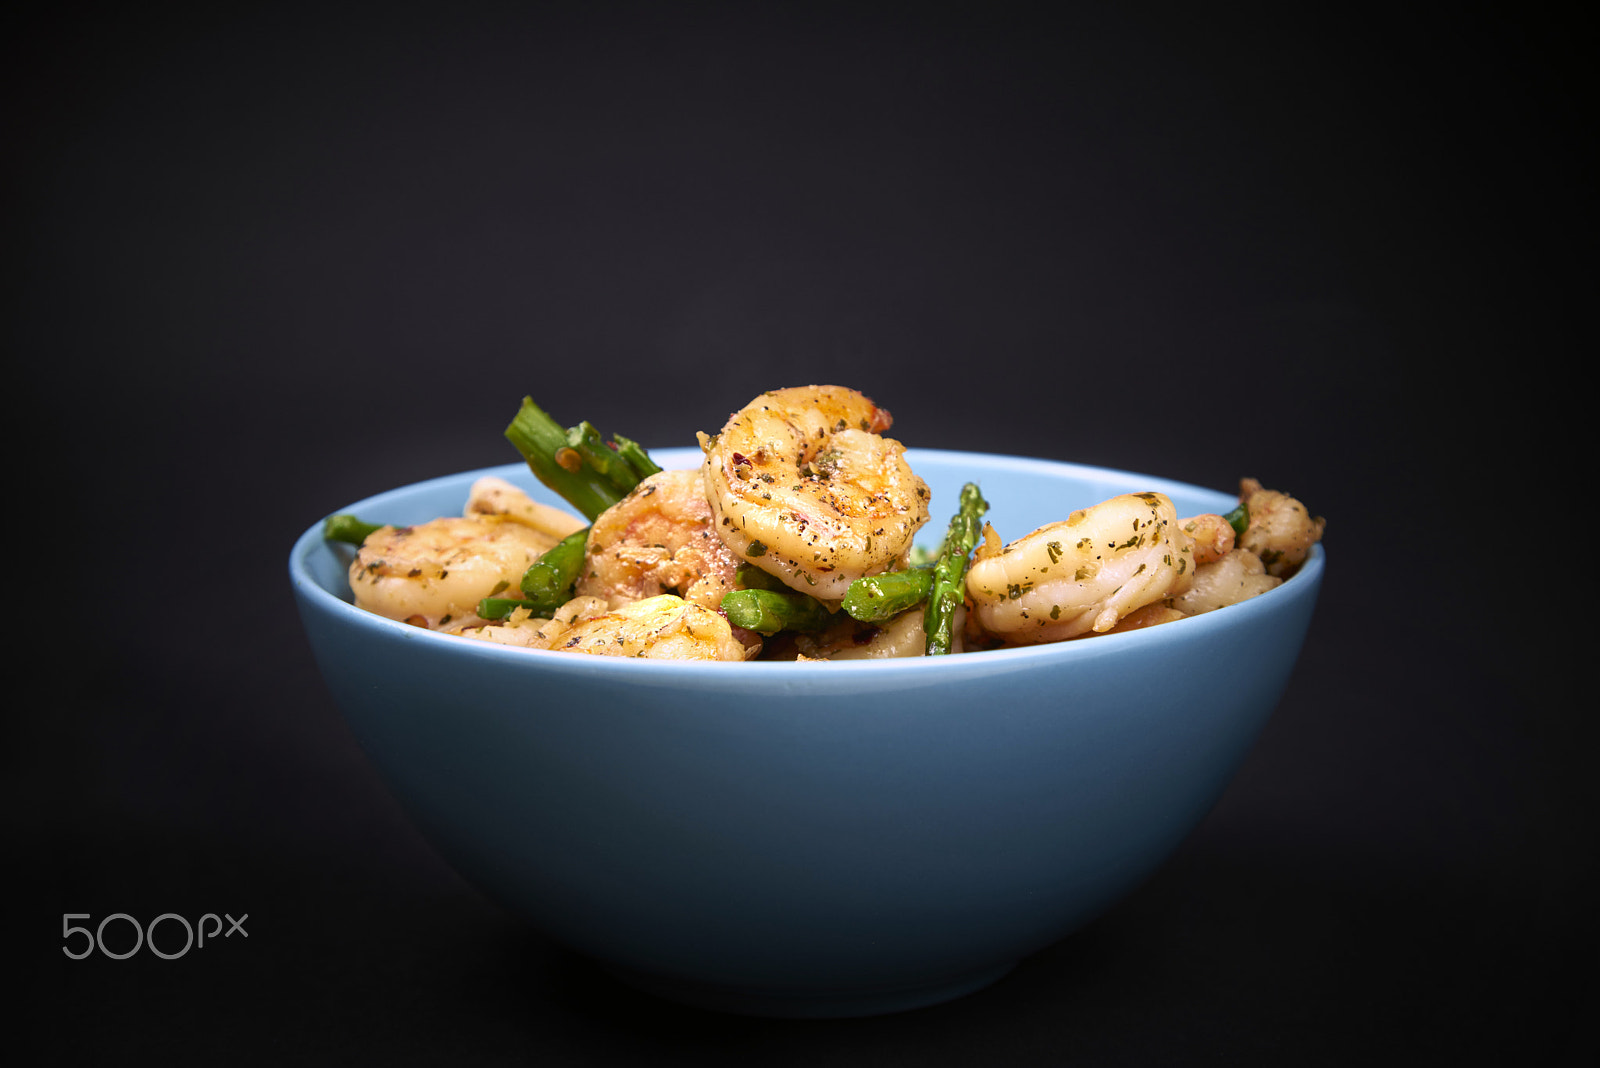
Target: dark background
{"points": [[262, 265]]}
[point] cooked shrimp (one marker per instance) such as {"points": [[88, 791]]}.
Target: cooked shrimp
{"points": [[491, 495], [803, 486], [438, 571], [1083, 573], [660, 538], [1281, 530], [901, 636], [1150, 615], [1213, 536], [665, 627], [522, 628], [1238, 576]]}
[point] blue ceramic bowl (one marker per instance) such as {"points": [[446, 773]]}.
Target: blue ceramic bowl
{"points": [[811, 839]]}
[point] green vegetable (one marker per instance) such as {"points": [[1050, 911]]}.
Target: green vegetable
{"points": [[1238, 519], [950, 571], [348, 528], [768, 611], [634, 454], [623, 466], [577, 463], [501, 607], [751, 577], [876, 598], [548, 582]]}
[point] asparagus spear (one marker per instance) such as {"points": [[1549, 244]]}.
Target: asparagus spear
{"points": [[347, 528], [751, 577], [1238, 519], [589, 473], [577, 463], [634, 454], [501, 607], [768, 611], [876, 598], [950, 571], [548, 582], [624, 464]]}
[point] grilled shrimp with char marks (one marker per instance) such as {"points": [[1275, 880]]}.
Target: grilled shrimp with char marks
{"points": [[1082, 574], [803, 485]]}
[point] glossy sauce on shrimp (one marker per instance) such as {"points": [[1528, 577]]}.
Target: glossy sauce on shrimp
{"points": [[804, 486]]}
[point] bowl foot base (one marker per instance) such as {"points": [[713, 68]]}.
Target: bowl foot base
{"points": [[812, 1003]]}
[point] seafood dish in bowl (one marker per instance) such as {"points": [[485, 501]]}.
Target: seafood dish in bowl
{"points": [[798, 519], [713, 715]]}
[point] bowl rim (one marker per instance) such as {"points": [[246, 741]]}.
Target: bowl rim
{"points": [[1303, 582]]}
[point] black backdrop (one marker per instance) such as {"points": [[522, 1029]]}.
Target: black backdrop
{"points": [[260, 265]]}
